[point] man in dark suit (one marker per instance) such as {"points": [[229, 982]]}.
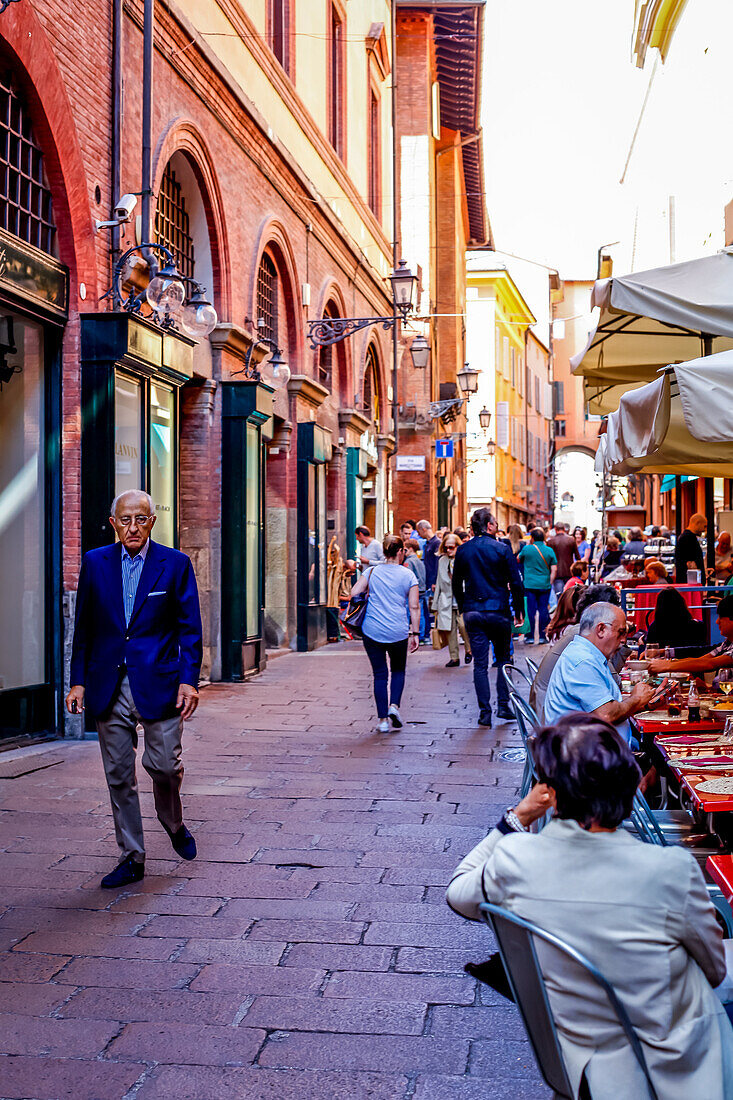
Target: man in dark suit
{"points": [[136, 658], [485, 574]]}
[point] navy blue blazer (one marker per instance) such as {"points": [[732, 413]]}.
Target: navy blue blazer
{"points": [[485, 572], [162, 646]]}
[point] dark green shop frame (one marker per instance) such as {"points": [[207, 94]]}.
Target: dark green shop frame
{"points": [[314, 449], [246, 408], [112, 342], [356, 471], [35, 285]]}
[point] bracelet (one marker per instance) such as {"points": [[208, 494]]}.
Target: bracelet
{"points": [[413, 632], [513, 822]]}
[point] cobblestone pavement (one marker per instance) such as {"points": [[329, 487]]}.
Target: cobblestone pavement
{"points": [[308, 952]]}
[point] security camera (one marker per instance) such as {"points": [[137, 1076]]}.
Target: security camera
{"points": [[122, 213], [124, 208]]}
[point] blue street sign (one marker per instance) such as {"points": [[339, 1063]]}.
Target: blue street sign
{"points": [[444, 448]]}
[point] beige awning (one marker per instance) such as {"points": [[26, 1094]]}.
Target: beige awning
{"points": [[650, 319], [681, 423]]}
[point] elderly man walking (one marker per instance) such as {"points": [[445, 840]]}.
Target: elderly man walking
{"points": [[582, 681], [136, 658]]}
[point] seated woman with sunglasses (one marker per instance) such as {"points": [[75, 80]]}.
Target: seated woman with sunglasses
{"points": [[639, 912]]}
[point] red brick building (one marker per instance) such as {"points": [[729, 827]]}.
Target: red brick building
{"points": [[271, 184]]}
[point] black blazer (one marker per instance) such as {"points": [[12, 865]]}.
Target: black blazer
{"points": [[484, 574]]}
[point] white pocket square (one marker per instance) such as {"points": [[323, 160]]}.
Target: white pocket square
{"points": [[157, 594]]}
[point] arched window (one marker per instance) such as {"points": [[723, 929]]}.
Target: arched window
{"points": [[173, 224], [371, 387], [267, 295], [326, 354], [26, 209]]}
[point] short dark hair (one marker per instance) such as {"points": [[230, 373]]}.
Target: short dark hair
{"points": [[596, 593], [407, 523], [590, 768], [538, 535], [578, 568], [656, 532], [363, 531], [725, 607], [480, 520]]}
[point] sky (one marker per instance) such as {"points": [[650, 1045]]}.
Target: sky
{"points": [[561, 100]]}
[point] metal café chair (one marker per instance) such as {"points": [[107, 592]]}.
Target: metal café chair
{"points": [[526, 721], [532, 666], [515, 678], [516, 939]]}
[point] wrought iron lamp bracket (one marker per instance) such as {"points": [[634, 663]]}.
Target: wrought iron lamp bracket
{"points": [[331, 330], [251, 372], [445, 410]]}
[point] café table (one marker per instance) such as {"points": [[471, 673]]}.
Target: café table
{"points": [[720, 869], [675, 738]]}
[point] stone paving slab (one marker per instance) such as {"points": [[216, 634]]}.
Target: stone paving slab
{"points": [[308, 951]]}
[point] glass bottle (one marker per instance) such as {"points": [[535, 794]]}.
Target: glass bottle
{"points": [[693, 702], [674, 703]]}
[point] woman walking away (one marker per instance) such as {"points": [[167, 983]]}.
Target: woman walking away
{"points": [[539, 566], [445, 607], [393, 592]]}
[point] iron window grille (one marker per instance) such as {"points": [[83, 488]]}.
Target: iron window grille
{"points": [[26, 208], [172, 223], [267, 294]]}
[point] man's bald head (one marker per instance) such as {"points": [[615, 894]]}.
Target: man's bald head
{"points": [[133, 518], [698, 523]]}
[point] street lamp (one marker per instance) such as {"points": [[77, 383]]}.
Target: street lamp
{"points": [[420, 352], [404, 285], [468, 379], [165, 292], [198, 317], [491, 448], [275, 371], [484, 418]]}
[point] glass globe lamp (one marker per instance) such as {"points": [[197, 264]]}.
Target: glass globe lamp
{"points": [[165, 291], [275, 371], [198, 318]]}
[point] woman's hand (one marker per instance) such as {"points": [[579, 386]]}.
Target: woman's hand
{"points": [[413, 643], [536, 804]]}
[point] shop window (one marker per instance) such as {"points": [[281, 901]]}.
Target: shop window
{"points": [[336, 41], [23, 519], [162, 460], [26, 209], [128, 434], [267, 293], [173, 224], [279, 22]]}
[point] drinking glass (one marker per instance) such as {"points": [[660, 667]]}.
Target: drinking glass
{"points": [[727, 734], [725, 681]]}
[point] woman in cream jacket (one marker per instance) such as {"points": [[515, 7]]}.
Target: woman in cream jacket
{"points": [[447, 619], [640, 912]]}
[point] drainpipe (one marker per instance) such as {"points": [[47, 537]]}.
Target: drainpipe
{"points": [[147, 121], [116, 151]]}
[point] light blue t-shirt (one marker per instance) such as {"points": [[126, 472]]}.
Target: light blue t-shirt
{"points": [[386, 618], [581, 680]]}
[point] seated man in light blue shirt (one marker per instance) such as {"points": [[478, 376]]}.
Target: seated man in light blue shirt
{"points": [[582, 681]]}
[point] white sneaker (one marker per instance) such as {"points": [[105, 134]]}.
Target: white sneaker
{"points": [[384, 726], [395, 716]]}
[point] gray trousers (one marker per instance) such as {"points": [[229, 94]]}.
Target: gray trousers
{"points": [[161, 759]]}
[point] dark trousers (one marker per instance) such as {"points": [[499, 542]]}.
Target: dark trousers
{"points": [[424, 617], [537, 601], [377, 653], [487, 628]]}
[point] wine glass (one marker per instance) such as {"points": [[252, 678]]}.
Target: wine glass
{"points": [[725, 680]]}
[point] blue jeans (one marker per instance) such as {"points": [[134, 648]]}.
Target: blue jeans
{"points": [[487, 628], [537, 600], [424, 617], [377, 653]]}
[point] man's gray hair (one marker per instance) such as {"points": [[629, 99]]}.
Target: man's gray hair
{"points": [[422, 524], [129, 492], [595, 614]]}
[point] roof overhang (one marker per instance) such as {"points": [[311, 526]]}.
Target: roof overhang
{"points": [[458, 31], [655, 21]]}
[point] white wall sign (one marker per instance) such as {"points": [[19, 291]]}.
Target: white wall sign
{"points": [[410, 462]]}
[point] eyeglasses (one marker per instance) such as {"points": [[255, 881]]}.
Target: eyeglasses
{"points": [[140, 521]]}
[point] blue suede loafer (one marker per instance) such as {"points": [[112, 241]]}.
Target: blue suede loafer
{"points": [[182, 842], [130, 870]]}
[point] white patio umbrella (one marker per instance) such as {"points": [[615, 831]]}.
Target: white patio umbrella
{"points": [[681, 423], [652, 318]]}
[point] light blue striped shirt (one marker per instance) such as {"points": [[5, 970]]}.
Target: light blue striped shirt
{"points": [[131, 571]]}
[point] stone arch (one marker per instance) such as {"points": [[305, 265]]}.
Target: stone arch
{"points": [[27, 45], [183, 137], [331, 301], [273, 240]]}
